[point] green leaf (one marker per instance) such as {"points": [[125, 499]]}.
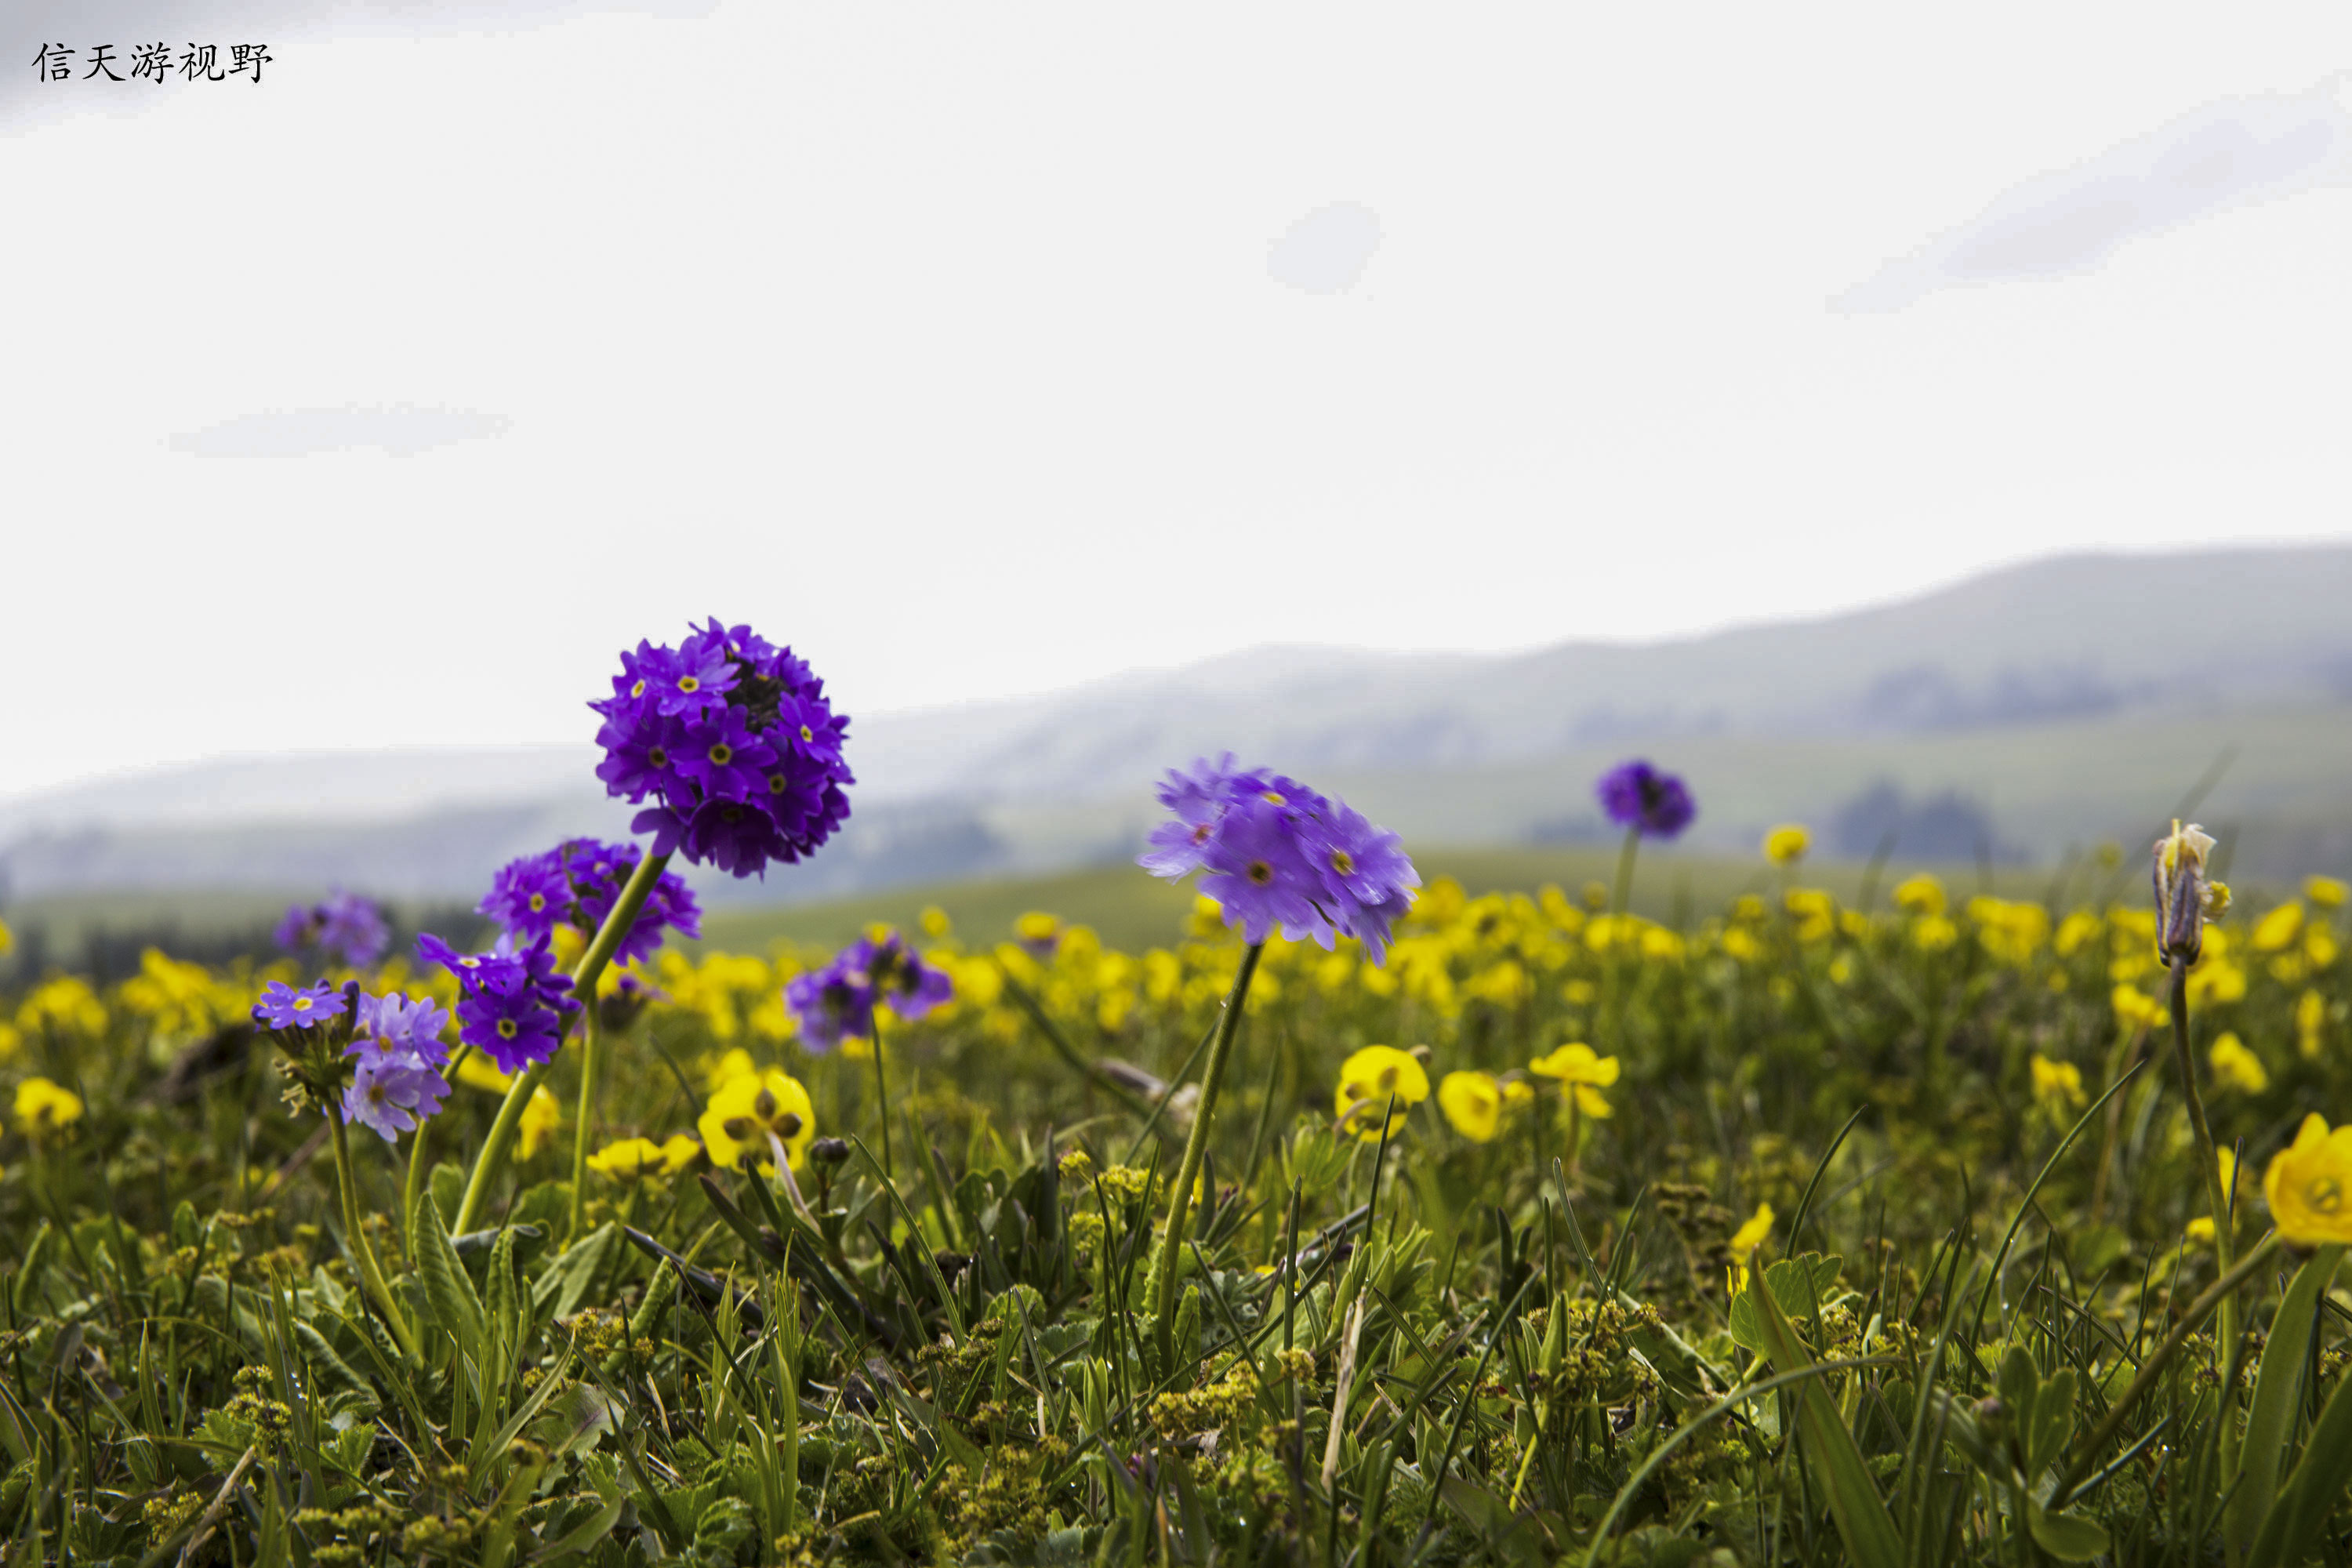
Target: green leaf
{"points": [[1863, 1522], [447, 1289], [2278, 1391], [447, 1186], [560, 1291], [2053, 1422], [2068, 1537], [2315, 1489]]}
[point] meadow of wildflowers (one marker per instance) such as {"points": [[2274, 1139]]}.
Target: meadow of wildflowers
{"points": [[1363, 1220]]}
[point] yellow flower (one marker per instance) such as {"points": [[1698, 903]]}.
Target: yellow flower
{"points": [[726, 1068], [744, 1111], [2308, 1184], [1750, 1235], [7, 938], [2325, 891], [477, 1071], [630, 1160], [2056, 1083], [2238, 1067], [935, 923], [681, 1150], [2201, 1230], [1921, 895], [1473, 1102], [64, 1004], [1786, 845], [1037, 930], [542, 1113], [1584, 1073], [2276, 932], [11, 1042], [1935, 934], [45, 1107], [1367, 1081], [2135, 1009], [2310, 1024]]}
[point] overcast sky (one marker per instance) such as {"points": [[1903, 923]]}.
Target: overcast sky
{"points": [[982, 349]]}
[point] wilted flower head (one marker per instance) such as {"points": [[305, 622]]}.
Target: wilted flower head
{"points": [[1277, 856], [734, 740], [577, 884], [836, 1003], [2185, 899], [341, 925], [514, 1005], [1635, 794]]}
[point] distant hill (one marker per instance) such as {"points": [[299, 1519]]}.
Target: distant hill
{"points": [[2057, 701]]}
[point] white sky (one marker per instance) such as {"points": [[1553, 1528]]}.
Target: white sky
{"points": [[941, 341]]}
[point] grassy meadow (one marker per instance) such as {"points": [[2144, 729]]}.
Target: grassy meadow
{"points": [[1796, 1215]]}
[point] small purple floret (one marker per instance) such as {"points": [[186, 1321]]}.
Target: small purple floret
{"points": [[283, 1007], [837, 1002]]}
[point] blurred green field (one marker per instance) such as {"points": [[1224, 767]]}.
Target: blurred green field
{"points": [[1132, 910]]}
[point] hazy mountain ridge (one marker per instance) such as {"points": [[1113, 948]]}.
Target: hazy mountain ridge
{"points": [[2119, 652]]}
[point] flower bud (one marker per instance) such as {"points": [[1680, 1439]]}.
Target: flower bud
{"points": [[829, 1151], [2185, 899]]}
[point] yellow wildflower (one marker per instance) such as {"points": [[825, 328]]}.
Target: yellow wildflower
{"points": [[7, 938], [2307, 1185], [2320, 946], [542, 1113], [1037, 930], [1473, 1102], [630, 1160], [44, 1106], [66, 1003], [11, 1041], [2201, 1230], [1786, 845], [1367, 1081], [935, 923], [2057, 1084], [2136, 1009], [477, 1071], [2235, 1067], [681, 1150], [1584, 1072], [726, 1067], [2076, 931], [2276, 932], [744, 1111], [1751, 1234], [1920, 895], [2325, 891], [1935, 934], [2310, 1024]]}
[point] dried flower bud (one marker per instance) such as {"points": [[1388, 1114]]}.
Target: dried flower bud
{"points": [[2185, 899]]}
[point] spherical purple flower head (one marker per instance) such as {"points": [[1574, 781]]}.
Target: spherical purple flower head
{"points": [[1639, 796], [1279, 856], [283, 1007], [389, 1097], [833, 1003], [343, 925], [733, 741], [514, 1004], [576, 883], [903, 979]]}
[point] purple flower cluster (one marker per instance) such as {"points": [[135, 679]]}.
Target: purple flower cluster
{"points": [[1277, 854], [733, 738], [577, 884], [341, 925], [514, 1004], [836, 1003], [397, 1080], [1653, 803]]}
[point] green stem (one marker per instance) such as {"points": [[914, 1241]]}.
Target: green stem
{"points": [[492, 1159], [882, 1102], [2221, 1292], [411, 1192], [371, 1272], [2226, 1339], [588, 1042], [1188, 1171], [1620, 894]]}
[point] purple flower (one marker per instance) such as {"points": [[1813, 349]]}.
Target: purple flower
{"points": [[389, 1096], [514, 1004], [577, 884], [733, 742], [394, 1025], [1637, 796], [837, 1002], [283, 1007], [343, 925], [1279, 856]]}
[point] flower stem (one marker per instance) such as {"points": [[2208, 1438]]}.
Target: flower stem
{"points": [[588, 1042], [2226, 1339], [882, 1102], [1620, 894], [371, 1272], [492, 1159], [1196, 1149]]}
